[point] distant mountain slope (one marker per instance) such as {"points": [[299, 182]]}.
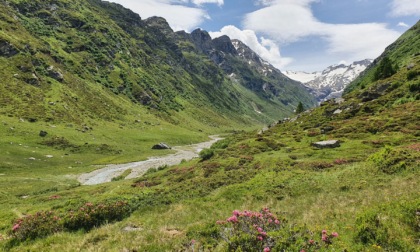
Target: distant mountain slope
{"points": [[331, 82], [81, 60]]}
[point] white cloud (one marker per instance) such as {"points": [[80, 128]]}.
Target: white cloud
{"points": [[201, 2], [401, 8], [179, 17], [267, 49], [288, 21], [402, 24]]}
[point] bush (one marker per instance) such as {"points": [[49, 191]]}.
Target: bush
{"points": [[206, 154], [263, 231], [390, 160], [90, 215], [412, 74], [35, 226], [86, 217]]}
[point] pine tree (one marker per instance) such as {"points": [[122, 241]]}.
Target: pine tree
{"points": [[299, 108], [385, 69]]}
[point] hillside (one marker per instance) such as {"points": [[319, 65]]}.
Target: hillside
{"points": [[361, 195], [331, 82], [93, 60]]}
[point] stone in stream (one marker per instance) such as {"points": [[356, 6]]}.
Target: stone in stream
{"points": [[326, 144], [161, 146]]}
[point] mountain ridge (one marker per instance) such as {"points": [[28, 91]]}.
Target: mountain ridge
{"points": [[332, 81]]}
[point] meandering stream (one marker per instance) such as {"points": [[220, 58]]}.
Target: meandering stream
{"points": [[108, 172]]}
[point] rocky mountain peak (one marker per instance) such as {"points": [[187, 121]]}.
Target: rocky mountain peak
{"points": [[202, 40], [159, 23], [331, 82], [224, 44]]}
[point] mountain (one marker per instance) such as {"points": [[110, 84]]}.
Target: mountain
{"points": [[331, 82], [271, 190], [95, 60]]}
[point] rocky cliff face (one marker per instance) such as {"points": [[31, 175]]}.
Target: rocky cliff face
{"points": [[331, 82]]}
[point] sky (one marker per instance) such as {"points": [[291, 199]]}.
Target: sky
{"points": [[299, 35]]}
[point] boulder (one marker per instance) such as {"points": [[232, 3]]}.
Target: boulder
{"points": [[161, 146], [7, 50], [55, 74], [43, 133], [326, 144]]}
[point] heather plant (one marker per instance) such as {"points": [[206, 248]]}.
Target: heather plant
{"points": [[86, 217], [92, 215], [264, 231], [35, 226]]}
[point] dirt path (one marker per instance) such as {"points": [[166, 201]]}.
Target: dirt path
{"points": [[105, 174]]}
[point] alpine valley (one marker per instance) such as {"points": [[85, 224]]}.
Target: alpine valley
{"points": [[89, 87]]}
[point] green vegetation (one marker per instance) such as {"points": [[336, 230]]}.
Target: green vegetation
{"points": [[113, 105]]}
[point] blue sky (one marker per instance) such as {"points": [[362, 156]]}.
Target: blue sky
{"points": [[305, 35]]}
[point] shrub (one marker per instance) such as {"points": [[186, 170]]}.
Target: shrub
{"points": [[263, 231], [91, 215], [206, 154], [35, 226], [390, 160], [412, 74]]}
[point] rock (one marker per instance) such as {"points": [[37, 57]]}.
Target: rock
{"points": [[32, 158], [326, 144], [55, 74], [43, 133], [410, 66], [49, 156], [161, 146], [337, 112], [326, 129], [7, 50]]}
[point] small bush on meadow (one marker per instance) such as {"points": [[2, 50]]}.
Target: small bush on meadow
{"points": [[206, 154], [86, 217], [35, 226], [263, 231], [390, 160]]}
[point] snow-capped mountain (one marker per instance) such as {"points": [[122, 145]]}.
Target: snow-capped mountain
{"points": [[331, 82]]}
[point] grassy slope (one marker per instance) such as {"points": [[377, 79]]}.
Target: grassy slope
{"points": [[357, 189]]}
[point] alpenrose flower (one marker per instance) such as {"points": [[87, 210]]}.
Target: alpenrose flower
{"points": [[263, 231]]}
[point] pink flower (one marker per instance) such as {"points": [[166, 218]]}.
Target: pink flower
{"points": [[192, 241], [270, 220], [259, 230], [260, 237], [263, 233], [15, 227], [302, 250], [236, 212], [324, 237], [324, 231], [335, 234], [232, 219], [267, 249], [311, 241], [277, 221]]}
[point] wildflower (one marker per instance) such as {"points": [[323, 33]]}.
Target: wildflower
{"points": [[232, 219], [266, 249], [335, 234], [324, 237], [260, 237], [302, 250], [324, 231], [192, 241], [236, 212], [15, 227], [276, 221], [259, 230], [311, 241]]}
